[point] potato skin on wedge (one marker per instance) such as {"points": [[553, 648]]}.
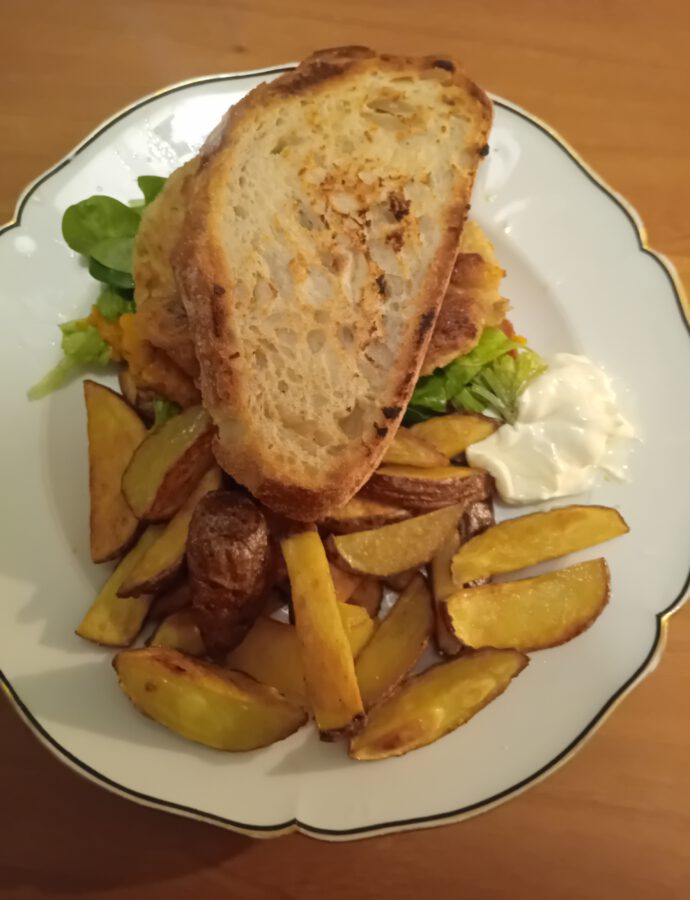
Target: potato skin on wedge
{"points": [[205, 703], [114, 432], [167, 465], [359, 514], [533, 613], [534, 538], [431, 705], [422, 489]]}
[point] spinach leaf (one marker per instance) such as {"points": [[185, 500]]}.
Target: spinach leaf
{"points": [[150, 186], [115, 253], [87, 223], [120, 280]]}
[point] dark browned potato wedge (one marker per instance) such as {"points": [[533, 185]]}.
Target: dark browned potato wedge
{"points": [[345, 583], [178, 597], [397, 643], [112, 620], [180, 632], [533, 613], [528, 540], [205, 703], [398, 547], [167, 465], [114, 433], [400, 580], [140, 398], [325, 652], [453, 434], [409, 450], [422, 489], [162, 563], [431, 705], [359, 514], [271, 654], [228, 558], [369, 595], [477, 517]]}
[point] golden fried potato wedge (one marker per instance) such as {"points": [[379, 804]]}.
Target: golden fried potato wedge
{"points": [[345, 583], [533, 613], [420, 489], [180, 632], [403, 545], [329, 669], [409, 450], [528, 540], [453, 434], [397, 644], [368, 595], [205, 703], [270, 652], [359, 514], [431, 705], [443, 586], [163, 561], [115, 621], [167, 465], [114, 432]]}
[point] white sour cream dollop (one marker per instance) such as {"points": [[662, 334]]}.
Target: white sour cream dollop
{"points": [[568, 430]]}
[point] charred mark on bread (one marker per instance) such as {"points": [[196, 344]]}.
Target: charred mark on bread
{"points": [[484, 151], [218, 290], [391, 412], [396, 239], [444, 64], [425, 323], [381, 430], [381, 284], [399, 205]]}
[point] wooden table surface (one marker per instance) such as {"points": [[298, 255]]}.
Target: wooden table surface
{"points": [[614, 77]]}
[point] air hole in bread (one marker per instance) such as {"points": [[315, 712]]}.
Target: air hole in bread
{"points": [[346, 335], [316, 339]]}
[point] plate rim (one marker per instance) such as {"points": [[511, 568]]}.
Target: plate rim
{"points": [[417, 822]]}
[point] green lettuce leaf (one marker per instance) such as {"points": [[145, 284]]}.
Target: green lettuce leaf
{"points": [[111, 304], [115, 253], [119, 280], [82, 345]]}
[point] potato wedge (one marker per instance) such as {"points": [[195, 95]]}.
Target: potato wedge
{"points": [[178, 597], [533, 613], [359, 514], [403, 545], [114, 432], [205, 703], [112, 620], [421, 489], [409, 450], [397, 644], [329, 669], [345, 583], [477, 518], [453, 434], [163, 561], [229, 557], [443, 586], [167, 465], [528, 540], [400, 580], [180, 631], [431, 705], [368, 595], [270, 652]]}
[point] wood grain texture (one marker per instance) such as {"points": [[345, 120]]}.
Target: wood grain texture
{"points": [[614, 78]]}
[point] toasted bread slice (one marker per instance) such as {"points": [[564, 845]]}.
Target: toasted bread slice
{"points": [[472, 300], [322, 228]]}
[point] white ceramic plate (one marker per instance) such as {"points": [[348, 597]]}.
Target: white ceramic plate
{"points": [[580, 279]]}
